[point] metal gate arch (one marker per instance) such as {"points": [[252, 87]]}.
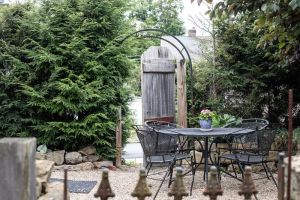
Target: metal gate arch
{"points": [[157, 33]]}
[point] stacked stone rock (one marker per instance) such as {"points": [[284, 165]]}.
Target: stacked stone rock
{"points": [[84, 159], [44, 189]]}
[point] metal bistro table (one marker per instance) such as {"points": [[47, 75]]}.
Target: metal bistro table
{"points": [[197, 133]]}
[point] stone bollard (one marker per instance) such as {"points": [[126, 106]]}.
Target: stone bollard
{"points": [[178, 190], [247, 189], [213, 188], [141, 190], [295, 177], [104, 191], [17, 168]]}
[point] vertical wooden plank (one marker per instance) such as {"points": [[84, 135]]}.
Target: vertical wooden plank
{"points": [[142, 88], [119, 139], [181, 93]]}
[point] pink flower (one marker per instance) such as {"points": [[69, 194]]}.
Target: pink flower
{"points": [[206, 114]]}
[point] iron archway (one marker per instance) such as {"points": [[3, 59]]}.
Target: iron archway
{"points": [[139, 34]]}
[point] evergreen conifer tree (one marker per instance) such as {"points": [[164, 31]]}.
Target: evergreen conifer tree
{"points": [[71, 73]]}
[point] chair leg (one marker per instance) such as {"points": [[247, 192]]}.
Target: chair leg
{"points": [[217, 164], [193, 174], [241, 167], [271, 175], [163, 180], [233, 169], [148, 165], [266, 171], [171, 174]]}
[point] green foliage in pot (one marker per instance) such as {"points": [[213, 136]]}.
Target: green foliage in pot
{"points": [[222, 120]]}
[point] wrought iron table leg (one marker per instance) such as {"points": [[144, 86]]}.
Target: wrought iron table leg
{"points": [[206, 159]]}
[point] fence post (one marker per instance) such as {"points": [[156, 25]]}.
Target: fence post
{"points": [[65, 184], [178, 190], [281, 167], [248, 188], [290, 143], [104, 191], [17, 168], [213, 188], [119, 139], [141, 190], [181, 93]]}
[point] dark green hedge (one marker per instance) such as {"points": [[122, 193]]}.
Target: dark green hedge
{"points": [[61, 76]]}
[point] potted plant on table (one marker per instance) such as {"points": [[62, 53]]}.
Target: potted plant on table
{"points": [[205, 118]]}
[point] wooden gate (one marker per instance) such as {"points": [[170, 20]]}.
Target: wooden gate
{"points": [[158, 84]]}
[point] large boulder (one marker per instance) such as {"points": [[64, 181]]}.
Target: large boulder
{"points": [[56, 156], [78, 167], [43, 173], [86, 166], [40, 156], [90, 158], [89, 150], [68, 167], [101, 164], [73, 158], [55, 192]]}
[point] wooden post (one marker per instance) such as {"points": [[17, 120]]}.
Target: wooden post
{"points": [[280, 176], [17, 168], [119, 139], [290, 142], [181, 93]]}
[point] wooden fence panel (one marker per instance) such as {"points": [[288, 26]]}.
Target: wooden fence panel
{"points": [[158, 85]]}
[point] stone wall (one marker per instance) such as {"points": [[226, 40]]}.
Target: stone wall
{"points": [[83, 159], [44, 189]]}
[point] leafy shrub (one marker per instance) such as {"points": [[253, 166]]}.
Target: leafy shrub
{"points": [[281, 140], [61, 77], [222, 120]]}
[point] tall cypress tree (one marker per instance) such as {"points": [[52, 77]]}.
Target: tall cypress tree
{"points": [[75, 73]]}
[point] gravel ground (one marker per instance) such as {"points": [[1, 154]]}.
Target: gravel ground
{"points": [[124, 180]]}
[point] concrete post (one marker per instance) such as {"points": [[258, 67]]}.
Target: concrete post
{"points": [[295, 177], [17, 168]]}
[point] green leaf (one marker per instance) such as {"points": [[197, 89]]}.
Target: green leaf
{"points": [[269, 7], [42, 148], [294, 4], [260, 21], [281, 45]]}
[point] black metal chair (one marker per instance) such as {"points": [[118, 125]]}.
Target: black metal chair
{"points": [[156, 124], [251, 123], [251, 149], [160, 125], [184, 145], [159, 149]]}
